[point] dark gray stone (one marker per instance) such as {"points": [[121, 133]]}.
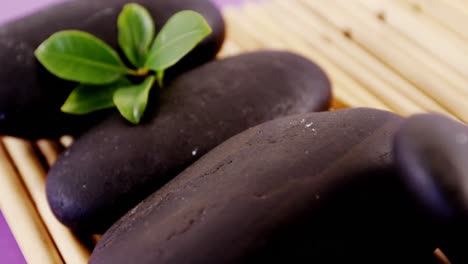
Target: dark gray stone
{"points": [[116, 165], [30, 97], [431, 153], [309, 188]]}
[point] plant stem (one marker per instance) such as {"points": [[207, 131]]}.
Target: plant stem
{"points": [[143, 72], [160, 75]]}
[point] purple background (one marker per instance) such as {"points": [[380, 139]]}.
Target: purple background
{"points": [[10, 9], [9, 251]]}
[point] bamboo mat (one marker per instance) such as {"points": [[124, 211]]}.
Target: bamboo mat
{"points": [[405, 56]]}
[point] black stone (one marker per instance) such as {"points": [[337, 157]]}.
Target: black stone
{"points": [[116, 165], [431, 152], [309, 188], [30, 97]]}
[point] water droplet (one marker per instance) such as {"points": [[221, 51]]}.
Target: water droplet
{"points": [[194, 152]]}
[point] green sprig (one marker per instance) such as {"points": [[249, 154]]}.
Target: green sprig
{"points": [[102, 75]]}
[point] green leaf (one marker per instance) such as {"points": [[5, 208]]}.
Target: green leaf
{"points": [[132, 100], [78, 56], [85, 99], [160, 76], [177, 38], [136, 32]]}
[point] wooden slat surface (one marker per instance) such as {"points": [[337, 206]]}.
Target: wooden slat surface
{"points": [[405, 56]]}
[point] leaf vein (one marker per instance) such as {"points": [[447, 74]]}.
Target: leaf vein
{"points": [[63, 56]]}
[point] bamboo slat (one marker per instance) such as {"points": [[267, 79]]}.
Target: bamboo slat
{"points": [[425, 33], [363, 20], [33, 175], [399, 59], [371, 64], [445, 14], [66, 141], [229, 49], [50, 150], [460, 5], [399, 103], [24, 221]]}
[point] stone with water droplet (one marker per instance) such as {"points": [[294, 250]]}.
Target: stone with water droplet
{"points": [[208, 98], [253, 201]]}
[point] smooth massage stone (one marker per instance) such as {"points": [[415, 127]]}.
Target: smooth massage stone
{"points": [[31, 97], [309, 188], [432, 155], [115, 165]]}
